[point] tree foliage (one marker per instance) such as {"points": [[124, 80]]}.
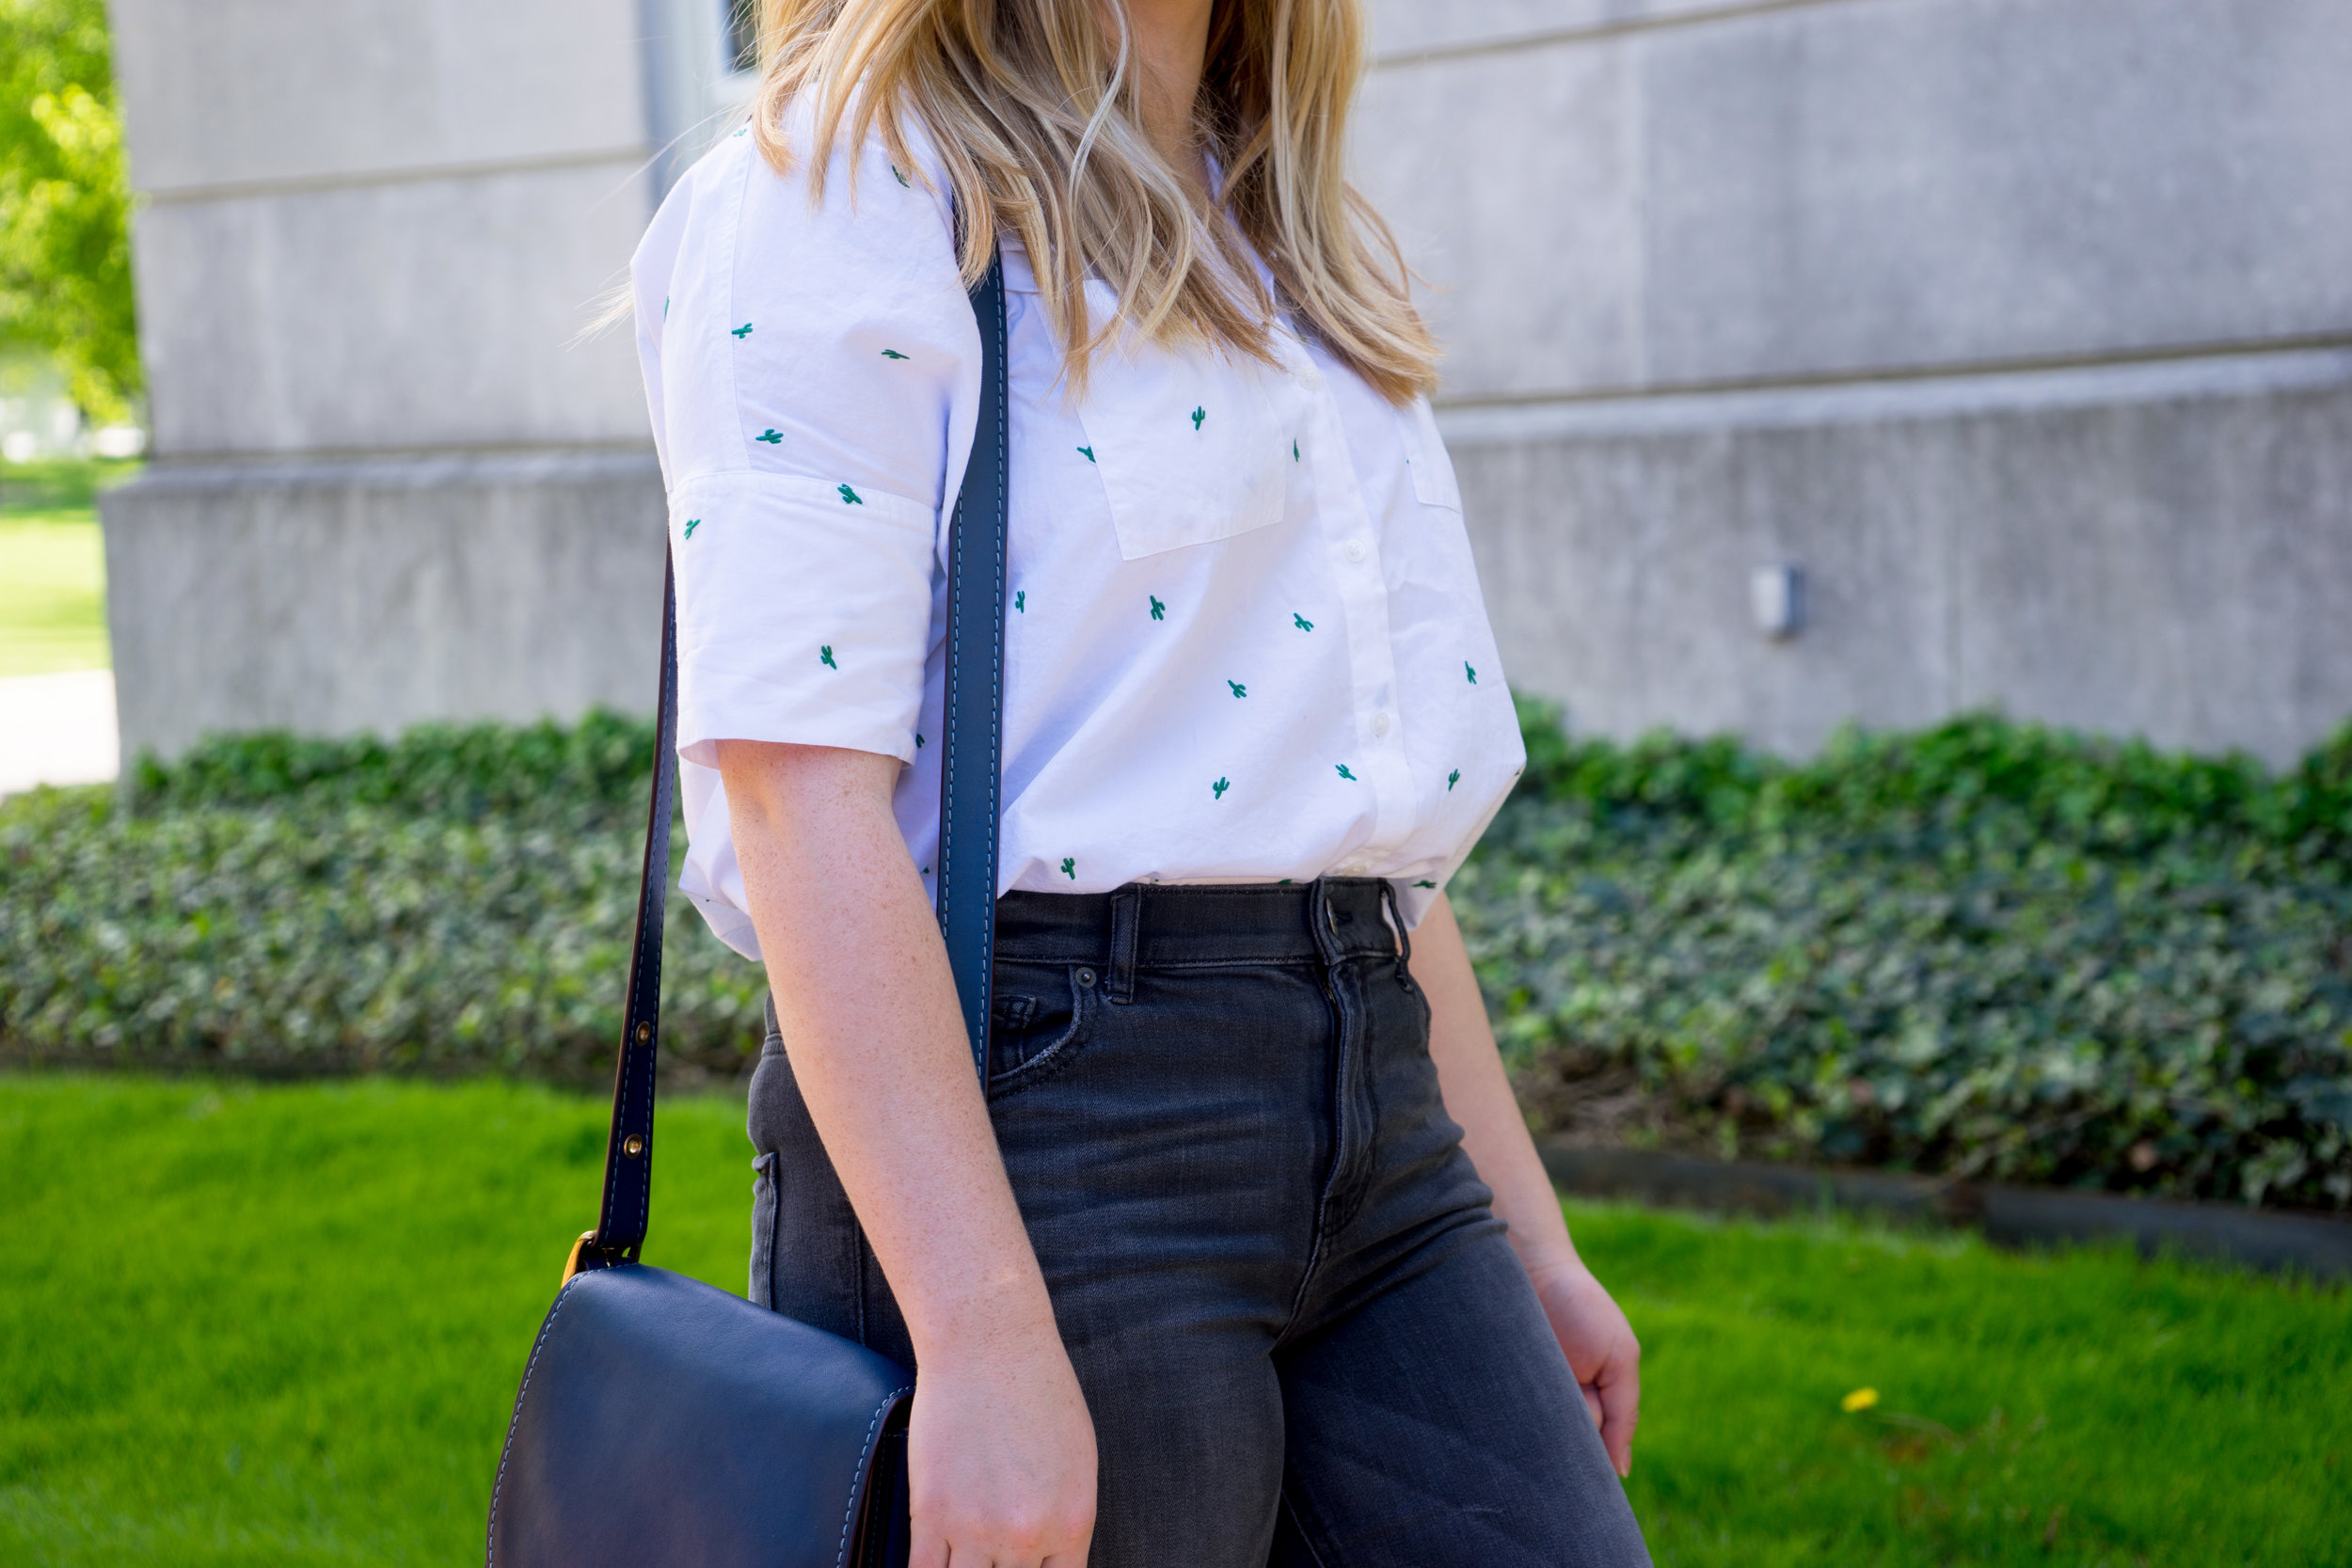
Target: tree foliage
{"points": [[65, 244]]}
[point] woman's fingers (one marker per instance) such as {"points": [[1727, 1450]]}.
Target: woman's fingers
{"points": [[1620, 1391], [1592, 1402], [927, 1548]]}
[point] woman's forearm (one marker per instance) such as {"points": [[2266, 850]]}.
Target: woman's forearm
{"points": [[870, 1017], [1000, 1457], [1478, 1096]]}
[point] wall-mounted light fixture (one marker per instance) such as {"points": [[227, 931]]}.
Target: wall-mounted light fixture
{"points": [[1776, 599]]}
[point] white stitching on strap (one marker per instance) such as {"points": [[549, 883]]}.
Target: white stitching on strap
{"points": [[850, 1513]]}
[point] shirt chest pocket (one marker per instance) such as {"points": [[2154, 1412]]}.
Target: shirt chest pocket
{"points": [[1191, 446]]}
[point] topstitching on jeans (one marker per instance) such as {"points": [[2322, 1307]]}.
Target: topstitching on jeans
{"points": [[1345, 1033]]}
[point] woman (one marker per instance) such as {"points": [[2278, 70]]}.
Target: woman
{"points": [[1245, 1254]]}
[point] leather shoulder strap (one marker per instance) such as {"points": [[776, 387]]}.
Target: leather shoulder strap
{"points": [[970, 766], [971, 751]]}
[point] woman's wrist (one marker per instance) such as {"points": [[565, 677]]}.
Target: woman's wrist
{"points": [[1552, 1261], [989, 1327]]}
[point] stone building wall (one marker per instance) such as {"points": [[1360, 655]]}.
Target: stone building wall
{"points": [[2021, 328]]}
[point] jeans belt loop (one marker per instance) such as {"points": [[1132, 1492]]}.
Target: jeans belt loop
{"points": [[1395, 908], [1126, 930]]}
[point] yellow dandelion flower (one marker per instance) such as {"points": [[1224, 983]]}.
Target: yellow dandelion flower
{"points": [[1861, 1399]]}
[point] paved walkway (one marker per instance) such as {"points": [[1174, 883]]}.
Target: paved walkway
{"points": [[58, 730]]}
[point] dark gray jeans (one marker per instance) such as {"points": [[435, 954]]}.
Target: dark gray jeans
{"points": [[1300, 1330]]}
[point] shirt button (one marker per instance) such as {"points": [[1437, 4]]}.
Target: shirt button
{"points": [[1311, 378], [1380, 722], [1354, 868], [1355, 551]]}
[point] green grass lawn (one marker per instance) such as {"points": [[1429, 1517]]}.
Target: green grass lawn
{"points": [[52, 566], [283, 1325]]}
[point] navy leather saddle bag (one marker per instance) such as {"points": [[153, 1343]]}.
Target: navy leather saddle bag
{"points": [[661, 1421]]}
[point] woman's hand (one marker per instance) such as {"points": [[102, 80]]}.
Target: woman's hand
{"points": [[1000, 1460], [1601, 1351]]}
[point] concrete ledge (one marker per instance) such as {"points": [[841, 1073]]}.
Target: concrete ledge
{"points": [[2016, 1217], [369, 594], [2153, 549]]}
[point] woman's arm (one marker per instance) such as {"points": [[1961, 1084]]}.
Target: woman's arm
{"points": [[1600, 1345], [1001, 1452]]}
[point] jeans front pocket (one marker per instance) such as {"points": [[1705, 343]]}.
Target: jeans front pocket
{"points": [[1042, 1016]]}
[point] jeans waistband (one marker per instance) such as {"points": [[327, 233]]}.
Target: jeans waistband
{"points": [[1151, 926]]}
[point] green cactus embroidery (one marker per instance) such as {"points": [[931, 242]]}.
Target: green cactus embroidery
{"points": [[1089, 452], [1217, 790], [1452, 779], [1239, 689], [919, 740], [1301, 622], [1021, 601], [1070, 868], [1471, 672], [665, 306], [1424, 882], [1284, 882], [824, 657], [1294, 452], [774, 437], [1345, 773], [738, 333], [1198, 415], [849, 497], [743, 132], [894, 354], [692, 524], [1159, 611], [901, 179]]}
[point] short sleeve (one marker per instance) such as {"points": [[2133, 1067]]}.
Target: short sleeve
{"points": [[812, 369]]}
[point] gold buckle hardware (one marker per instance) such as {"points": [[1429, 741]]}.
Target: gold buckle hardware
{"points": [[571, 1264]]}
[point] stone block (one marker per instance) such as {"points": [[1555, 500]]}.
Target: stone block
{"points": [[428, 314], [233, 92], [2160, 551], [1799, 193], [1894, 186], [1514, 185], [343, 597]]}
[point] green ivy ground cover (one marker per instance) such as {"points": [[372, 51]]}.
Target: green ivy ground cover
{"points": [[1984, 948], [259, 1325]]}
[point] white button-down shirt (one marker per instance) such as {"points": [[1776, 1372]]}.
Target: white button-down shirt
{"points": [[1245, 641]]}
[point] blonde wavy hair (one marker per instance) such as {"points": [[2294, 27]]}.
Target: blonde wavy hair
{"points": [[1035, 107]]}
